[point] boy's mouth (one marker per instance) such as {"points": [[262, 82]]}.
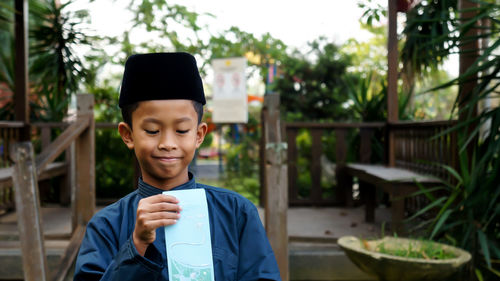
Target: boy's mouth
{"points": [[167, 158]]}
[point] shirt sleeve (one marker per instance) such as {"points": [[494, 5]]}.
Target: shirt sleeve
{"points": [[256, 259], [100, 258]]}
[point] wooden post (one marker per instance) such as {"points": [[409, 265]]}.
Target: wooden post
{"points": [[277, 187], [262, 160], [28, 211], [69, 178], [44, 186], [469, 52], [367, 191], [83, 196], [293, 191], [392, 78], [46, 136], [316, 152], [365, 150], [21, 103], [344, 181]]}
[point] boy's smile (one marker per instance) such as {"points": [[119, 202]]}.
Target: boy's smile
{"points": [[164, 136]]}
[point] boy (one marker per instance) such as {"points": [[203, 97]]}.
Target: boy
{"points": [[162, 100]]}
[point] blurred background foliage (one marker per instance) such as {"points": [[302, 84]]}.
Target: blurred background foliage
{"points": [[55, 71], [323, 83], [326, 82]]}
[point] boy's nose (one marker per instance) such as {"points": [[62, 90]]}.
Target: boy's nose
{"points": [[166, 146], [167, 143]]}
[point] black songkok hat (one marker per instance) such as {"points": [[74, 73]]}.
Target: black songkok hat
{"points": [[161, 76]]}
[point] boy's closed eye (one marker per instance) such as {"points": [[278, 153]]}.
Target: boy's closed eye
{"points": [[151, 132], [182, 131]]}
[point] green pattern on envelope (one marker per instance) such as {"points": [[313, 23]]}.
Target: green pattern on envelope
{"points": [[188, 243]]}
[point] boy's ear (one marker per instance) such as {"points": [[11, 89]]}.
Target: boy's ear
{"points": [[126, 134], [200, 134]]}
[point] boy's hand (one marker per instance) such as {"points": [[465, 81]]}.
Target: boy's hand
{"points": [[153, 212]]}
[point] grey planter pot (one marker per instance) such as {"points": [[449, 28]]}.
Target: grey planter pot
{"points": [[393, 268]]}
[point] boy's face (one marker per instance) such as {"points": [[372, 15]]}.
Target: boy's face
{"points": [[164, 136]]}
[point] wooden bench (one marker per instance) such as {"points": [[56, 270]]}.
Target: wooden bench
{"points": [[419, 149], [419, 157], [398, 183]]}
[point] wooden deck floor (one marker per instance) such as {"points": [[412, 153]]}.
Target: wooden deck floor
{"points": [[304, 223]]}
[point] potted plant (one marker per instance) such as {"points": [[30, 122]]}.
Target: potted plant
{"points": [[397, 259]]}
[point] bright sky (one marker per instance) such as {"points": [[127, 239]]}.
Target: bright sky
{"points": [[295, 22]]}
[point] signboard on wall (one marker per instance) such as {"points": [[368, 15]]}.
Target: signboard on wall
{"points": [[229, 91]]}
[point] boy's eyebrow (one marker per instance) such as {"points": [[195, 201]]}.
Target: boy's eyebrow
{"points": [[183, 119], [154, 120]]}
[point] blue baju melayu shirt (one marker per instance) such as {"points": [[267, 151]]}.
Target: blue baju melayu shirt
{"points": [[240, 248]]}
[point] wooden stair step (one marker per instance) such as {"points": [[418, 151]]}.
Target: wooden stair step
{"points": [[322, 261], [56, 223], [11, 264]]}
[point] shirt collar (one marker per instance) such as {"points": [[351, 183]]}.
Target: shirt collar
{"points": [[146, 190]]}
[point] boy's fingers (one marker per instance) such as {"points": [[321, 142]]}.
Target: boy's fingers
{"points": [[160, 216], [159, 223], [160, 207], [160, 198]]}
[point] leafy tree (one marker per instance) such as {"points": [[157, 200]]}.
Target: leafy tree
{"points": [[313, 87], [428, 39], [371, 55], [261, 52]]}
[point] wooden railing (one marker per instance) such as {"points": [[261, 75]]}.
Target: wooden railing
{"points": [[425, 146], [9, 134], [317, 130], [80, 136], [44, 133]]}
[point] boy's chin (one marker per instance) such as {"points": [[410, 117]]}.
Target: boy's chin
{"points": [[168, 177]]}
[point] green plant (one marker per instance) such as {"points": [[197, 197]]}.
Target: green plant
{"points": [[368, 98], [468, 210], [114, 165], [429, 36], [242, 159], [55, 71], [55, 68], [468, 213], [427, 250]]}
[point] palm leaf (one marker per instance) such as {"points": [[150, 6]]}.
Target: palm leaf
{"points": [[483, 241], [427, 208], [442, 219]]}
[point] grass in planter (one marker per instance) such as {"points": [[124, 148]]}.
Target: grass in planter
{"points": [[428, 251]]}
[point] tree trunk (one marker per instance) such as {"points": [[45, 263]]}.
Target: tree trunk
{"points": [[469, 52]]}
